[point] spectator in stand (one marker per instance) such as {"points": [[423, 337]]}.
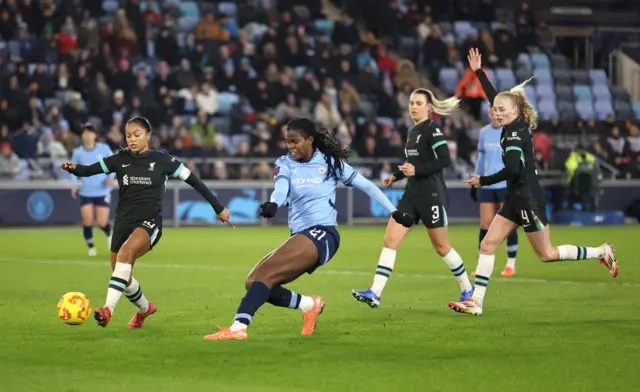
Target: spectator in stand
{"points": [[542, 144], [204, 129], [207, 99], [546, 39], [326, 112], [208, 28], [470, 91], [618, 149], [345, 31], [633, 140], [506, 49], [9, 162]]}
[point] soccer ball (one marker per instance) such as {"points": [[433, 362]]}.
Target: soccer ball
{"points": [[74, 308]]}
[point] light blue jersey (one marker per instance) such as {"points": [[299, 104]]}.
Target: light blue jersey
{"points": [[93, 186], [490, 155], [311, 198]]}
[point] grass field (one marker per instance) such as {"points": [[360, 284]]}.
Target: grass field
{"points": [[558, 327]]}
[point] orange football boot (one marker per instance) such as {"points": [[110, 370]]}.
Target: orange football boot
{"points": [[310, 317]]}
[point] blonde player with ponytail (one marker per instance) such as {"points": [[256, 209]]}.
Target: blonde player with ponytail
{"points": [[425, 196], [524, 203]]}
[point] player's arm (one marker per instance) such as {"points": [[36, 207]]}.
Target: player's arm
{"points": [[176, 169], [480, 159], [487, 86], [438, 144], [74, 160], [352, 178], [282, 178], [513, 158], [109, 153], [399, 175], [281, 183], [104, 165]]}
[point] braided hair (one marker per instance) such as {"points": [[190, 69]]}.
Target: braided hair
{"points": [[325, 142]]}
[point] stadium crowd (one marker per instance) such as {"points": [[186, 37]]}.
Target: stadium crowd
{"points": [[220, 79]]}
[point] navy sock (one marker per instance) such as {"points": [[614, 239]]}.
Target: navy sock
{"points": [[107, 229], [512, 244], [284, 298], [483, 233], [87, 232], [255, 297]]}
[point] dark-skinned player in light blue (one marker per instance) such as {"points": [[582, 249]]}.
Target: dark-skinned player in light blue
{"points": [[305, 182]]}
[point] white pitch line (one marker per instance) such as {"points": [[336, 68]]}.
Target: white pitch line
{"points": [[323, 271]]}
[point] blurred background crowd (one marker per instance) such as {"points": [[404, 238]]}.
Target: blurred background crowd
{"points": [[219, 79]]}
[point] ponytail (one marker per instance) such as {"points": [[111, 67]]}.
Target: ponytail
{"points": [[444, 107], [525, 108]]}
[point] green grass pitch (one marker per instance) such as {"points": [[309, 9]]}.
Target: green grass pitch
{"points": [[555, 327]]}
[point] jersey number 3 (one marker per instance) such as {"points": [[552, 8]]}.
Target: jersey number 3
{"points": [[318, 234], [149, 224]]}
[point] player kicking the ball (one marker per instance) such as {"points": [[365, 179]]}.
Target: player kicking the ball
{"points": [[142, 174], [524, 202], [306, 182]]}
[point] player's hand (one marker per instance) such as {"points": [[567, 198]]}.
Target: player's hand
{"points": [[74, 193], [268, 209], [473, 192], [109, 181], [68, 167], [389, 181], [475, 59], [402, 218], [474, 180], [223, 217], [408, 169]]}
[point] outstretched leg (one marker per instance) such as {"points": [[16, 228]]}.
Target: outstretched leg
{"points": [[136, 246], [281, 296], [541, 243], [296, 256]]}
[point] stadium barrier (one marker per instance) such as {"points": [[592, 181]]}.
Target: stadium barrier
{"points": [[39, 203]]}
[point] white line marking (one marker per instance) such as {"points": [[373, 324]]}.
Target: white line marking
{"points": [[325, 271]]}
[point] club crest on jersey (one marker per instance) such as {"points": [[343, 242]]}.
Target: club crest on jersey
{"points": [[322, 169], [152, 166]]}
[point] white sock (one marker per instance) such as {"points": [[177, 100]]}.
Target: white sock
{"points": [[133, 292], [383, 271], [306, 303], [237, 326], [455, 264], [511, 262], [117, 284], [483, 274], [572, 252]]}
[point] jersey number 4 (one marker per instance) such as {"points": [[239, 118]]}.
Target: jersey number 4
{"points": [[318, 234]]}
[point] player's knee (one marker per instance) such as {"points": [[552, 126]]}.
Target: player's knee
{"points": [[126, 254], [442, 248], [391, 240], [488, 247], [547, 255], [248, 281]]}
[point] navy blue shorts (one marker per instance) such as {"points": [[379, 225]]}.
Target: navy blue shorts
{"points": [[491, 195], [101, 201], [326, 239]]}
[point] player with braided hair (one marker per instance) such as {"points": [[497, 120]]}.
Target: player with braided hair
{"points": [[305, 181]]}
